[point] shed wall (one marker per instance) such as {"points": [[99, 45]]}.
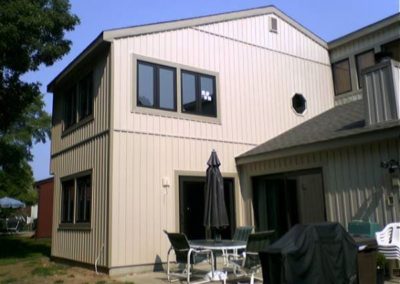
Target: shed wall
{"points": [[45, 209]]}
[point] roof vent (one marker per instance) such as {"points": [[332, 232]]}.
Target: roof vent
{"points": [[273, 24]]}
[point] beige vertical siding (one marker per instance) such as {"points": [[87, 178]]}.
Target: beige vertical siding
{"points": [[355, 185], [83, 245], [100, 123], [86, 148], [258, 74], [142, 207]]}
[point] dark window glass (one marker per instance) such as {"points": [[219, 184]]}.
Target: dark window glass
{"points": [[145, 85], [85, 87], [198, 94], [67, 202], [156, 86], [392, 49], [70, 108], [341, 77], [364, 60], [167, 88], [207, 96], [188, 93], [78, 102], [299, 103], [84, 199]]}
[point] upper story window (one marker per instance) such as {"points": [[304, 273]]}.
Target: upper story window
{"points": [[341, 76], [364, 60], [78, 103], [76, 200], [392, 49], [198, 94], [156, 86]]}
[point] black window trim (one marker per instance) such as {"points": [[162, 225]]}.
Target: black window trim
{"points": [[156, 83], [74, 224], [355, 59], [334, 80], [197, 76]]}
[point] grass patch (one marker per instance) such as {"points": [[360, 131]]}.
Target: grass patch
{"points": [[48, 270], [8, 280], [101, 282], [58, 281]]}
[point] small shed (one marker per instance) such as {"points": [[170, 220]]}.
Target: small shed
{"points": [[45, 210]]}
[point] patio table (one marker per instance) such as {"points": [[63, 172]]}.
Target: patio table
{"points": [[217, 245]]}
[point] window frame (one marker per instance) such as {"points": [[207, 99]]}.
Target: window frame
{"points": [[75, 89], [334, 77], [156, 85], [358, 71], [178, 114], [75, 224], [198, 76]]}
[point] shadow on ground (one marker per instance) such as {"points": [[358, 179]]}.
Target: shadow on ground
{"points": [[12, 247]]}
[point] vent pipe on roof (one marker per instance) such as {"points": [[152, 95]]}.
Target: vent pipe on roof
{"points": [[381, 92]]}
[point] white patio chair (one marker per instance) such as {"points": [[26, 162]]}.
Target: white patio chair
{"points": [[389, 241]]}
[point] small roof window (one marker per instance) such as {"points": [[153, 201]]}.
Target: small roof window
{"points": [[299, 103]]}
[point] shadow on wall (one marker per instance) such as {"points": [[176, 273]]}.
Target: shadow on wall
{"points": [[158, 265], [368, 207]]}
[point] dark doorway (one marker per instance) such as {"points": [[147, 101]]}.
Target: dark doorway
{"points": [[191, 201], [280, 201]]}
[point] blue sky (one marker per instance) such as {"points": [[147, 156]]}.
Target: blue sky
{"points": [[328, 19]]}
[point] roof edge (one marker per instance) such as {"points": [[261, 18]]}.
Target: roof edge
{"points": [[364, 31], [209, 19], [79, 58], [352, 140]]}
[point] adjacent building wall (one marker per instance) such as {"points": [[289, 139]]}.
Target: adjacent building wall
{"points": [[45, 208], [258, 72], [351, 49], [84, 149], [355, 186]]}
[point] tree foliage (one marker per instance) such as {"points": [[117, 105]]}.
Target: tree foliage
{"points": [[32, 33]]}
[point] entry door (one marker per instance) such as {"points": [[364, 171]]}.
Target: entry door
{"points": [[191, 211]]}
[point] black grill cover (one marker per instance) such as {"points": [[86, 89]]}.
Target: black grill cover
{"points": [[317, 253]]}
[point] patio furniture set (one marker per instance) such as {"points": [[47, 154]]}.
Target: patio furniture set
{"points": [[240, 255]]}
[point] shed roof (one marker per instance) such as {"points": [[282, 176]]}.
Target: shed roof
{"points": [[341, 122]]}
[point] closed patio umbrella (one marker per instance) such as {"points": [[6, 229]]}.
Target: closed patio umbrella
{"points": [[215, 215], [8, 202]]}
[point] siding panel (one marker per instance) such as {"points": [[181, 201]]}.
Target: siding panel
{"points": [[356, 187]]}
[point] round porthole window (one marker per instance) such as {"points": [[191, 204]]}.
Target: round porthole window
{"points": [[299, 103]]}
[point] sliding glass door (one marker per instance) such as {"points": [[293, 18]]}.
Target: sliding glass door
{"points": [[282, 200]]}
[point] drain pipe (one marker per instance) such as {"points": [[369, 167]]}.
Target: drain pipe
{"points": [[98, 257]]}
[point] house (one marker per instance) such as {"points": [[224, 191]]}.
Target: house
{"points": [[342, 164], [137, 113], [45, 190]]}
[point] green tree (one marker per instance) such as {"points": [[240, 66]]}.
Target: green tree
{"points": [[31, 34]]}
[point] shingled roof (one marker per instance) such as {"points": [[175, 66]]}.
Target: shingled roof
{"points": [[345, 121]]}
